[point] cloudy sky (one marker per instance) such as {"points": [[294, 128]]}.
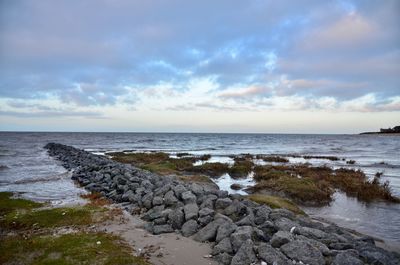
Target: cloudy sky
{"points": [[200, 66]]}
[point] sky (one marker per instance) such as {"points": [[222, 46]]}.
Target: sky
{"points": [[261, 66]]}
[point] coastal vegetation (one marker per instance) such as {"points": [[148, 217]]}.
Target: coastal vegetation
{"points": [[301, 183], [275, 202], [315, 185], [34, 233]]}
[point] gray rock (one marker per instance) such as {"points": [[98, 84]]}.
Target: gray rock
{"points": [[223, 258], [222, 194], [225, 230], [319, 245], [346, 259], [188, 197], [207, 203], [205, 220], [160, 221], [162, 229], [262, 214], [304, 252], [377, 256], [280, 238], [285, 224], [127, 196], [197, 189], [176, 218], [147, 185], [191, 211], [157, 200], [341, 246], [147, 200], [310, 232], [209, 232], [245, 255], [189, 228], [154, 213], [268, 228], [236, 209], [259, 235], [179, 189], [162, 190], [241, 234], [206, 212], [170, 199], [247, 220], [271, 255], [222, 203], [223, 246]]}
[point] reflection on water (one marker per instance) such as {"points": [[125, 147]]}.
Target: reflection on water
{"points": [[376, 219]]}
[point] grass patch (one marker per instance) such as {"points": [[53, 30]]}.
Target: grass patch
{"points": [[27, 245], [212, 169], [80, 248], [53, 217], [139, 158], [241, 168], [196, 178], [8, 204], [278, 159], [275, 202], [315, 185]]}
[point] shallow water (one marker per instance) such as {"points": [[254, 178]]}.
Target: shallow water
{"points": [[28, 169]]}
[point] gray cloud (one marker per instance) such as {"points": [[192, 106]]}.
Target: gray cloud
{"points": [[49, 114], [66, 50]]}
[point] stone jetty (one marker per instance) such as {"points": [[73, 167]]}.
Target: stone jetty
{"points": [[241, 231]]}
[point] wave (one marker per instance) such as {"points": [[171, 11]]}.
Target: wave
{"points": [[44, 179]]}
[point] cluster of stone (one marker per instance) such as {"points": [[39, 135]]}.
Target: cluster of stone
{"points": [[240, 231]]}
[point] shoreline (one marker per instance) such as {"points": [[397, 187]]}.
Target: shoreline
{"points": [[303, 236]]}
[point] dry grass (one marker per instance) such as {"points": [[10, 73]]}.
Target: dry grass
{"points": [[278, 159], [275, 202], [96, 199], [307, 184], [211, 169], [241, 168]]}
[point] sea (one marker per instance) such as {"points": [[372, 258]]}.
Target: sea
{"points": [[26, 168]]}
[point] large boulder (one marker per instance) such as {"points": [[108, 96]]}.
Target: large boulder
{"points": [[191, 211], [225, 230], [170, 199], [176, 218], [188, 197], [345, 258], [189, 228], [209, 232], [280, 238], [303, 251], [245, 255], [241, 234], [223, 246], [222, 203], [271, 255]]}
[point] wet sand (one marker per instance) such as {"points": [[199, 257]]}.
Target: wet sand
{"points": [[164, 249]]}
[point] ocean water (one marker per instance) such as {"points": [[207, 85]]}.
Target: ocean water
{"points": [[25, 166]]}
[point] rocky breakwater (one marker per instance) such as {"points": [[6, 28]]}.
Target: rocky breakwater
{"points": [[240, 231]]}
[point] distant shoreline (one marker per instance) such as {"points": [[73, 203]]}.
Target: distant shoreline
{"points": [[380, 133]]}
